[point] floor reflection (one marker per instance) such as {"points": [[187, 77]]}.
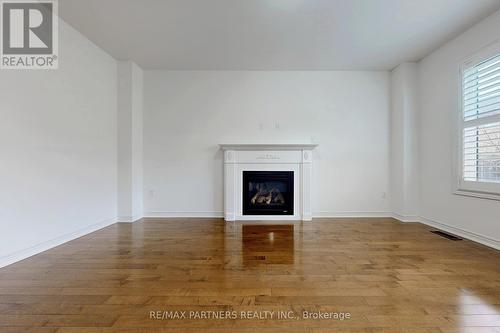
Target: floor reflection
{"points": [[478, 310], [267, 244]]}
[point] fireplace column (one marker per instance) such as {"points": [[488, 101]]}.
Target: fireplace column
{"points": [[306, 179], [230, 185]]}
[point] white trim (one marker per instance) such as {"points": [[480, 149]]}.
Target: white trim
{"points": [[26, 253], [477, 194], [483, 53], [129, 219], [484, 190], [274, 146], [478, 238], [212, 214], [218, 214], [349, 214], [405, 218]]}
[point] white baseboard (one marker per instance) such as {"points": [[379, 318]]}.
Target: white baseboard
{"points": [[481, 239], [350, 214], [129, 219], [185, 214], [405, 218], [221, 214], [26, 253]]}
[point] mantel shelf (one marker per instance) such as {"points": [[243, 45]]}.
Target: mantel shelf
{"points": [[273, 146]]}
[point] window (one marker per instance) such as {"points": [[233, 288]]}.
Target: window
{"points": [[480, 125]]}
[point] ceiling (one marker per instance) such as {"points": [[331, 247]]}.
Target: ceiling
{"points": [[272, 34]]}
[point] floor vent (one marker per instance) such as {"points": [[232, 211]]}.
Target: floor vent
{"points": [[446, 235]]}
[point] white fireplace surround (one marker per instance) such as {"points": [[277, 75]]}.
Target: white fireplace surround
{"points": [[267, 157]]}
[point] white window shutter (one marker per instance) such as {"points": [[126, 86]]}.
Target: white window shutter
{"points": [[481, 121]]}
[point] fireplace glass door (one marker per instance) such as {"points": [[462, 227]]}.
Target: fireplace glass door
{"points": [[267, 192]]}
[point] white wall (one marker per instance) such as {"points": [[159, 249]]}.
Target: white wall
{"points": [[404, 142], [57, 149], [439, 104], [187, 114], [59, 140], [130, 142], [137, 142]]}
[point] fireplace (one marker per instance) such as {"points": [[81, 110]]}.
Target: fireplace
{"points": [[267, 193], [287, 167]]}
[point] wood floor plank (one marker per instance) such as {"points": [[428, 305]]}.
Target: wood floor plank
{"points": [[388, 276]]}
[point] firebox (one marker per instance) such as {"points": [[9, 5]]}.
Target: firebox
{"points": [[267, 192]]}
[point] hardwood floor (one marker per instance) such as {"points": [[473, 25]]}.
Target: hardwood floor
{"points": [[388, 276]]}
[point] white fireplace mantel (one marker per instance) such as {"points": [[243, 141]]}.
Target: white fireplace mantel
{"points": [[256, 147], [267, 157]]}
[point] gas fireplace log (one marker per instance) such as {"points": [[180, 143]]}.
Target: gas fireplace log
{"points": [[255, 198], [279, 199], [267, 197]]}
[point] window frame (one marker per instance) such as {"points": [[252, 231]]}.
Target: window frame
{"points": [[480, 189]]}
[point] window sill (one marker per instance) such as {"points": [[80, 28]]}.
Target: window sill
{"points": [[478, 194]]}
